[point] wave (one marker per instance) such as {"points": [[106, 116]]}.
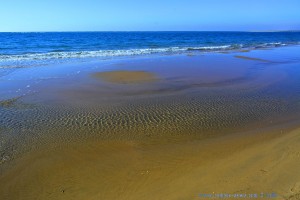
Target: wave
{"points": [[86, 54], [56, 55], [105, 53]]}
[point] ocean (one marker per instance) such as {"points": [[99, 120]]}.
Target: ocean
{"points": [[43, 48]]}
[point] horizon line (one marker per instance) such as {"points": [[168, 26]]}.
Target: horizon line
{"points": [[266, 31]]}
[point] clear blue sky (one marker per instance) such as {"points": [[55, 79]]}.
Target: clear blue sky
{"points": [[148, 15]]}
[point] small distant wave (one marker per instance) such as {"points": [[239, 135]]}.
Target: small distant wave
{"points": [[23, 60]]}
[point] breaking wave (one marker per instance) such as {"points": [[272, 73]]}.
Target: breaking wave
{"points": [[20, 60]]}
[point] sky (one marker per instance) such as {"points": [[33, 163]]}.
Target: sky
{"points": [[149, 15]]}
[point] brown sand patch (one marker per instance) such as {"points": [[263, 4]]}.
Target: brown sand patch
{"points": [[125, 77], [250, 58], [8, 103], [244, 50], [15, 103], [224, 52]]}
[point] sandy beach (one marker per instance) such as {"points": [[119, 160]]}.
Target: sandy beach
{"points": [[156, 127], [125, 77]]}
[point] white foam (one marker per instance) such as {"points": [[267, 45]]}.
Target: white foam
{"points": [[34, 59], [104, 53]]}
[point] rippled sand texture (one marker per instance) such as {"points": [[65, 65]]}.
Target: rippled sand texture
{"points": [[197, 129]]}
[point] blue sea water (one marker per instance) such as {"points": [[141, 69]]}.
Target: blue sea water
{"points": [[38, 48]]}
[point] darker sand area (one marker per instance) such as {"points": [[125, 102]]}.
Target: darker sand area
{"points": [[8, 103], [250, 58], [125, 77]]}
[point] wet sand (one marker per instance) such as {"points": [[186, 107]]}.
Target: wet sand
{"points": [[250, 58], [95, 132], [125, 77], [8, 102]]}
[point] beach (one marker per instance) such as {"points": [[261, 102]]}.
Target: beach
{"points": [[251, 164], [196, 125]]}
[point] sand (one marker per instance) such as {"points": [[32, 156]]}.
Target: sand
{"points": [[253, 163], [245, 50], [250, 58], [9, 102], [200, 130], [125, 77]]}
